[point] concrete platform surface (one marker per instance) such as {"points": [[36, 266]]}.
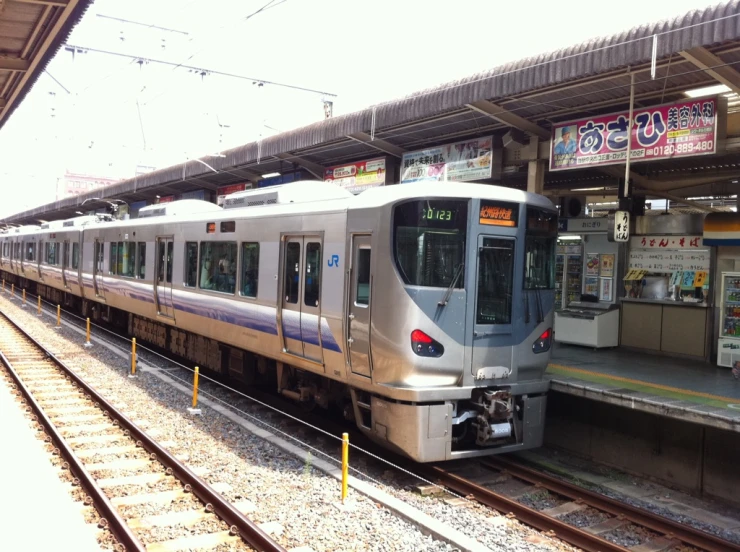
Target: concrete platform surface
{"points": [[37, 512], [689, 390]]}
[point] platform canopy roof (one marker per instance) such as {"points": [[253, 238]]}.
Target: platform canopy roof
{"points": [[698, 49], [31, 33]]}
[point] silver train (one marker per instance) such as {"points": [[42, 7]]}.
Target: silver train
{"points": [[421, 312]]}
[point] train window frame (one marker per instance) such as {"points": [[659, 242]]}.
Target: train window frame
{"points": [[539, 248], [218, 273], [141, 260], [170, 251], [190, 273], [129, 269], [406, 261], [112, 257], [360, 271], [76, 255], [293, 296], [253, 247], [312, 282], [497, 243]]}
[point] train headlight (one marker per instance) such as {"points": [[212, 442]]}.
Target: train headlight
{"points": [[425, 346], [542, 345]]}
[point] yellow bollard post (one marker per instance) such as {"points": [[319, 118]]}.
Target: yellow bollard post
{"points": [[345, 464], [87, 335], [59, 316], [12, 291], [39, 308], [194, 409], [24, 298], [133, 358]]}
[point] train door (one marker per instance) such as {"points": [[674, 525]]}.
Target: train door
{"points": [[301, 301], [98, 268], [65, 262], [358, 340], [492, 328], [164, 277]]}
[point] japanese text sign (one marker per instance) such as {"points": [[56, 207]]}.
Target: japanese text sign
{"points": [[462, 161], [497, 213], [666, 242], [682, 129], [356, 177], [621, 226]]}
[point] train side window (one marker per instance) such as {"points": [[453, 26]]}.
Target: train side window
{"points": [[75, 255], [160, 271], [292, 271], [250, 269], [362, 291], [127, 258], [191, 264], [142, 260], [312, 282], [495, 281], [170, 245], [218, 266], [113, 264]]}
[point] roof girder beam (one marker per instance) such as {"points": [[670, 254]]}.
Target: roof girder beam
{"points": [[714, 66], [377, 143], [314, 168], [508, 118], [14, 64], [60, 3]]}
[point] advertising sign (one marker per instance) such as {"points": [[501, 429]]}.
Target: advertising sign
{"points": [[682, 129], [166, 199], [356, 177], [462, 161]]}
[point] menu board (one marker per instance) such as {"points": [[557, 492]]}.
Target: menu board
{"points": [[669, 260]]}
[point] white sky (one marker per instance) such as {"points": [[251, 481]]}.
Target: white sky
{"points": [[365, 52]]}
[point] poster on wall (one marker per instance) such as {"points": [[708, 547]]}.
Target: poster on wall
{"points": [[462, 161], [357, 177], [682, 129], [592, 264], [605, 292], [591, 286], [607, 265]]}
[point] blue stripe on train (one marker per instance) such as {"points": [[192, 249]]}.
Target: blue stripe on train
{"points": [[253, 317]]}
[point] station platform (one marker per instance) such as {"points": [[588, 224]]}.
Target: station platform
{"points": [[37, 511], [688, 390]]}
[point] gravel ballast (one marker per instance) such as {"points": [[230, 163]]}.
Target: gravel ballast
{"points": [[246, 468]]}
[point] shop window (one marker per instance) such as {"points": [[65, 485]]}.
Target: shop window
{"points": [[250, 269], [218, 266]]}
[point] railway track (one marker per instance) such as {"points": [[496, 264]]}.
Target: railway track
{"points": [[121, 470], [665, 534]]}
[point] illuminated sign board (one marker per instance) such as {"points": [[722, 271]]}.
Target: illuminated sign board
{"points": [[498, 213]]}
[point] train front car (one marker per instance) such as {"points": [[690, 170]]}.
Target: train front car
{"points": [[462, 298]]}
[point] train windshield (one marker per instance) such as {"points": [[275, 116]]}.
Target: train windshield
{"points": [[429, 242], [542, 232]]}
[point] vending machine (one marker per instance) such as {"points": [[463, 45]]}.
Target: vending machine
{"points": [[728, 349], [568, 273]]}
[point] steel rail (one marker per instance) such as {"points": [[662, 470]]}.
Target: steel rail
{"points": [[684, 533], [547, 524], [245, 528], [114, 521]]}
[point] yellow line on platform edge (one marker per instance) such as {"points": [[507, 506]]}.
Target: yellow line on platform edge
{"points": [[644, 383]]}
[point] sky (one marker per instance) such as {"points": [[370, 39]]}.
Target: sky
{"points": [[107, 115]]}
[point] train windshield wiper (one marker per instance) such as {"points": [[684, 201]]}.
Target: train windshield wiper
{"points": [[448, 293]]}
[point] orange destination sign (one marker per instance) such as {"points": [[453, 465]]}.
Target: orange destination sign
{"points": [[496, 213]]}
